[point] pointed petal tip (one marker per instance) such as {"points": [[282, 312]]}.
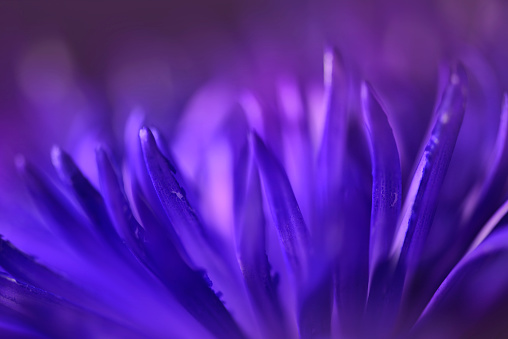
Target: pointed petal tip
{"points": [[144, 134], [63, 163], [364, 90], [332, 63], [458, 76], [254, 140], [101, 153]]}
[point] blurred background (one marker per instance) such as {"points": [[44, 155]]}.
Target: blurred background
{"points": [[72, 72]]}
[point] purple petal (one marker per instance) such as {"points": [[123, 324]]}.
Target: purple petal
{"points": [[353, 199], [386, 189], [54, 316], [286, 214], [90, 200], [333, 144], [421, 202], [63, 219], [484, 197], [313, 284], [131, 231], [26, 269], [472, 297], [189, 286], [251, 248], [386, 202], [173, 198]]}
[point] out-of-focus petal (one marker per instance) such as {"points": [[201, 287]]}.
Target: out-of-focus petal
{"points": [[63, 218], [56, 317], [251, 248], [472, 296]]}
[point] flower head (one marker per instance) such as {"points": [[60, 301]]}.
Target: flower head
{"points": [[290, 210]]}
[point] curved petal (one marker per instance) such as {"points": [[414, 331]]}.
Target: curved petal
{"points": [[421, 202], [386, 203], [386, 186], [251, 248], [63, 218], [473, 295], [90, 200], [286, 214], [56, 317]]}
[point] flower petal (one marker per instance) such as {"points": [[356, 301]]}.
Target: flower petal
{"points": [[189, 286], [90, 200], [286, 214], [63, 218], [26, 269], [173, 198], [421, 202], [386, 190], [129, 228], [251, 248], [473, 294], [386, 202], [56, 317]]}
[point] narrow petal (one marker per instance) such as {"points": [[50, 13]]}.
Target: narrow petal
{"points": [[474, 294], [56, 317], [353, 199], [189, 286], [24, 268], [333, 143], [286, 214], [386, 203], [182, 216], [421, 202], [129, 228], [476, 206], [251, 248], [386, 189], [166, 255], [484, 198], [63, 218], [90, 200]]}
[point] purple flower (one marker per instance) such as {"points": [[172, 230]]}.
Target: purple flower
{"points": [[313, 237], [286, 209]]}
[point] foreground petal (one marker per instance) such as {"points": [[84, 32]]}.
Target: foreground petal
{"points": [[56, 317], [63, 218], [473, 297]]}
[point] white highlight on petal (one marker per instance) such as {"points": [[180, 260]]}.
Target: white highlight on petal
{"points": [[407, 210], [489, 226]]}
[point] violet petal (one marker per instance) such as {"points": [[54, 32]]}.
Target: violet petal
{"points": [[286, 214], [421, 202], [65, 221], [251, 248], [90, 200]]}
